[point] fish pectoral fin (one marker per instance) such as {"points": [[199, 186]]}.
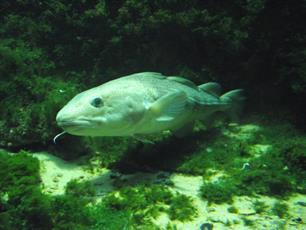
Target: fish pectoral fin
{"points": [[169, 106]]}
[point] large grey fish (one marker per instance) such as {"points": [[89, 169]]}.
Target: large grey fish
{"points": [[144, 103]]}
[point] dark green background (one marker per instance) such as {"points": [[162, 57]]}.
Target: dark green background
{"points": [[51, 50]]}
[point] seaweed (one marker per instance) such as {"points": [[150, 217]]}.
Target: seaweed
{"points": [[259, 206], [247, 221], [69, 212], [232, 209], [76, 188], [218, 192], [182, 209], [280, 209], [22, 203]]}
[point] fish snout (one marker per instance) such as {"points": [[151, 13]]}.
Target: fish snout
{"points": [[65, 121], [61, 118]]}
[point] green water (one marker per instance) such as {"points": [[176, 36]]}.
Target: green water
{"points": [[244, 175]]}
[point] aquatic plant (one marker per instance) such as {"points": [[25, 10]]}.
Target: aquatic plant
{"points": [[182, 209], [259, 206], [265, 182], [144, 203], [218, 192], [232, 209], [22, 203], [70, 212], [280, 209], [247, 221], [24, 172], [106, 218], [83, 189]]}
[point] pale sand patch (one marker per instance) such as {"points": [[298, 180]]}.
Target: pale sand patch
{"points": [[242, 132], [259, 149], [187, 185], [56, 173]]}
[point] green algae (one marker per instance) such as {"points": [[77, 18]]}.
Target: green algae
{"points": [[22, 199], [232, 209], [275, 170], [83, 189], [280, 209], [218, 192], [259, 206], [24, 204], [182, 209], [247, 221], [150, 201]]}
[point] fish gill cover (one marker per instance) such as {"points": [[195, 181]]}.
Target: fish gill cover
{"points": [[52, 50]]}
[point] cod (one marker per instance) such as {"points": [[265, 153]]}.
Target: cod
{"points": [[145, 103]]}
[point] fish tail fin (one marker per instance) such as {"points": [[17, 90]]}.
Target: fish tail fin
{"points": [[235, 98]]}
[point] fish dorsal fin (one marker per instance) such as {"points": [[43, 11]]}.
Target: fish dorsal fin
{"points": [[148, 74], [169, 106], [183, 81], [211, 87]]}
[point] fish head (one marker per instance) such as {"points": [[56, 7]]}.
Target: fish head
{"points": [[98, 112]]}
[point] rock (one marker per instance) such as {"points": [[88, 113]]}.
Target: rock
{"points": [[248, 213], [297, 220], [206, 226], [218, 219]]}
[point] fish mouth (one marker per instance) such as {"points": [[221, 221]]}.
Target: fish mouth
{"points": [[76, 124]]}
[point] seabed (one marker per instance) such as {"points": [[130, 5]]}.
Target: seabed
{"points": [[180, 200], [56, 173]]}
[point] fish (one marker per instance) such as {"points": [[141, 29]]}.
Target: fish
{"points": [[145, 103]]}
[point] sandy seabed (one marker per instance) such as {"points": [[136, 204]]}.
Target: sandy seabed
{"points": [[56, 173]]}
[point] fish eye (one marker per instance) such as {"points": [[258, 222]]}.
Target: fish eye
{"points": [[97, 102]]}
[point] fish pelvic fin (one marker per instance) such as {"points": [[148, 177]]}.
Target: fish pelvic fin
{"points": [[235, 98]]}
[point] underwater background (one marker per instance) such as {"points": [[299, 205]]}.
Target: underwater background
{"points": [[245, 175]]}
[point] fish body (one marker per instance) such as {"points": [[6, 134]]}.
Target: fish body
{"points": [[144, 103]]}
